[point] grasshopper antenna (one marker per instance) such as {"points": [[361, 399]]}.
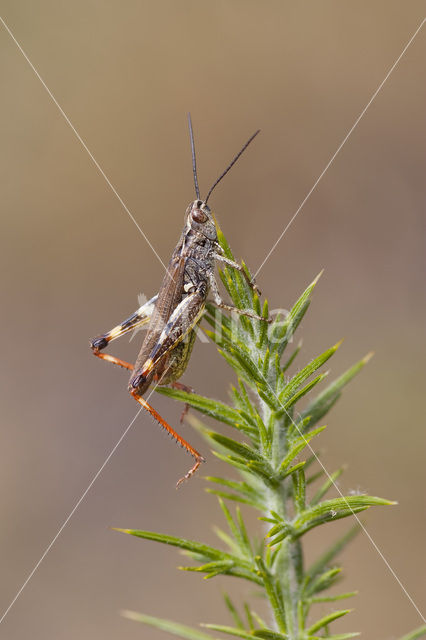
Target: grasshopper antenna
{"points": [[231, 164], [194, 159]]}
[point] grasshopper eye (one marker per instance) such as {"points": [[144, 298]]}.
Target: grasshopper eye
{"points": [[199, 216]]}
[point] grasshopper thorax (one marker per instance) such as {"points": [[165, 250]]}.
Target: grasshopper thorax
{"points": [[199, 219]]}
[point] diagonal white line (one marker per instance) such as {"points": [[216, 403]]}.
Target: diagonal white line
{"points": [[355, 515], [376, 547], [68, 518], [267, 257], [362, 526], [84, 145], [79, 501], [341, 145]]}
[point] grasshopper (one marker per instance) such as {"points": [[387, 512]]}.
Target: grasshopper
{"points": [[172, 315]]}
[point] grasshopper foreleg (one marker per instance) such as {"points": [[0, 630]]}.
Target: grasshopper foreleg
{"points": [[222, 305], [240, 268]]}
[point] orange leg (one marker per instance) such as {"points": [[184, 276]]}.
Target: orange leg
{"points": [[113, 359], [182, 387], [197, 456]]}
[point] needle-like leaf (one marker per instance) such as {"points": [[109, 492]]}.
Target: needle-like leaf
{"points": [[268, 431], [175, 629], [417, 634]]}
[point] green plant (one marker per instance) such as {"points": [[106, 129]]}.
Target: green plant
{"points": [[273, 433]]}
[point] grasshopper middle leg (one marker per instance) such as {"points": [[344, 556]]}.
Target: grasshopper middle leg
{"points": [[183, 387], [222, 305]]}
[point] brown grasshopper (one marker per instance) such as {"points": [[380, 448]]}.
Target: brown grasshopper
{"points": [[172, 315]]}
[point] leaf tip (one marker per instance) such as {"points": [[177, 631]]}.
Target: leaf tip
{"points": [[131, 615], [315, 280], [129, 531], [368, 357]]}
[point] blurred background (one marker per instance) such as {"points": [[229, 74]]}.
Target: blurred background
{"points": [[73, 264]]}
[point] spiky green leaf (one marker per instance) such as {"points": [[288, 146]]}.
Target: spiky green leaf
{"points": [[326, 620], [175, 629], [233, 611], [208, 406], [236, 632], [298, 379], [326, 558], [326, 399], [417, 634], [335, 509]]}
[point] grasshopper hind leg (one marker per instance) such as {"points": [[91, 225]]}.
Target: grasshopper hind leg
{"points": [[108, 358], [183, 443]]}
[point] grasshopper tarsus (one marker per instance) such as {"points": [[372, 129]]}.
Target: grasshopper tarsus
{"points": [[191, 472], [255, 288]]}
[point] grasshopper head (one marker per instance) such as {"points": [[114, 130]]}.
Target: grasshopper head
{"points": [[200, 219]]}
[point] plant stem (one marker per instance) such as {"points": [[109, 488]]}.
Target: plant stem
{"points": [[272, 479], [288, 561]]}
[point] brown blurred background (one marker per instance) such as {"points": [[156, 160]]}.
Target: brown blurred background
{"points": [[72, 264]]}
